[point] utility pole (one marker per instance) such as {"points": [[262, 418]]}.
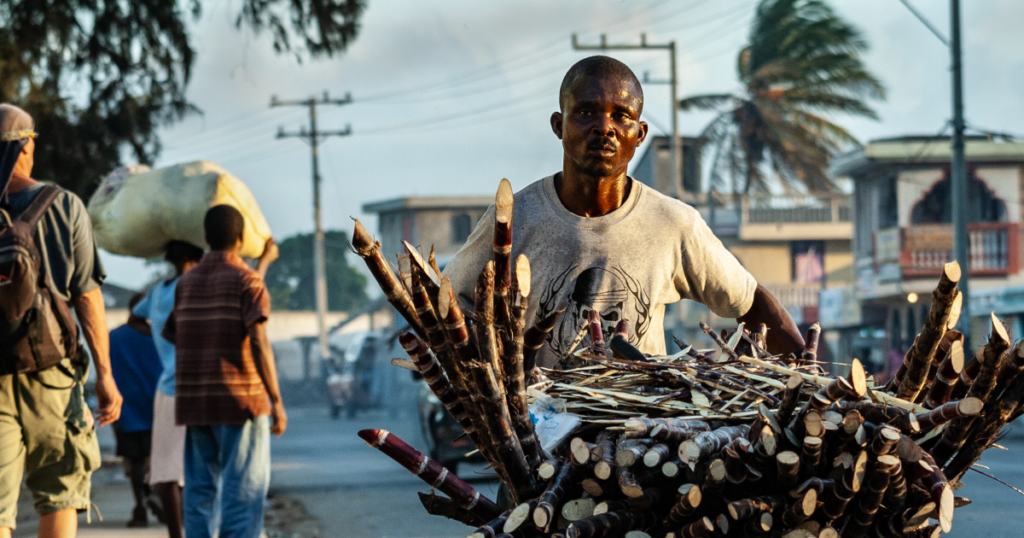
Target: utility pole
{"points": [[677, 166], [958, 168], [314, 136], [958, 175]]}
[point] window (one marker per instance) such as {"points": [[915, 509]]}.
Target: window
{"points": [[462, 226], [936, 208]]}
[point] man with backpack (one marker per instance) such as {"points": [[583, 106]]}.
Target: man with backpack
{"points": [[48, 262]]}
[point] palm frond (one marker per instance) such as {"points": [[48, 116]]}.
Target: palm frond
{"points": [[711, 101]]}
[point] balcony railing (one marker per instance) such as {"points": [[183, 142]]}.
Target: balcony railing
{"points": [[795, 294], [796, 209], [993, 248]]}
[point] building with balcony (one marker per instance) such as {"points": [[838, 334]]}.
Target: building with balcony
{"points": [[794, 245], [903, 235]]}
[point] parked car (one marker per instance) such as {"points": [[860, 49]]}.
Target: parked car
{"points": [[446, 440], [354, 380]]}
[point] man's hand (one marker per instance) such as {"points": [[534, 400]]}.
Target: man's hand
{"points": [[270, 254], [783, 334], [109, 398], [93, 320], [280, 419]]}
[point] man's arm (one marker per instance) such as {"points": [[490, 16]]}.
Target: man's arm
{"points": [[263, 356], [92, 316], [783, 335], [270, 253]]}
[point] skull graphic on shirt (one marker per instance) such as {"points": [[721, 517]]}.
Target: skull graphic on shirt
{"points": [[608, 290]]}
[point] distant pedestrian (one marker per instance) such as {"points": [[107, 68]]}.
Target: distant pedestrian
{"points": [[136, 368], [47, 433], [227, 391], [167, 467]]}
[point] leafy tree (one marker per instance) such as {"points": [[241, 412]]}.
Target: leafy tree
{"points": [[291, 279], [100, 76], [801, 65]]}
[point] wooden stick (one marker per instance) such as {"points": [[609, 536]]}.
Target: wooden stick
{"points": [[843, 491], [710, 442], [956, 431], [431, 472], [578, 509], [905, 420], [718, 340], [789, 398], [698, 529], [884, 441], [436, 505], [810, 352], [752, 506], [810, 457], [534, 338], [515, 374], [630, 451], [689, 500], [492, 528], [429, 367], [947, 374], [520, 514], [503, 205], [611, 524], [552, 496], [369, 251], [1011, 367], [621, 348], [657, 454], [983, 435], [968, 407], [919, 358], [596, 330], [605, 465], [640, 427], [870, 500], [801, 510]]}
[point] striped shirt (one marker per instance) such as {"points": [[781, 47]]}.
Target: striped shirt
{"points": [[216, 303]]}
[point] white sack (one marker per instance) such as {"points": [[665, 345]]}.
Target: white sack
{"points": [[137, 214]]}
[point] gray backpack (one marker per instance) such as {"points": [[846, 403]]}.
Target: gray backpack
{"points": [[36, 327]]}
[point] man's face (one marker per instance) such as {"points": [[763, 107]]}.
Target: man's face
{"points": [[600, 126], [23, 168]]}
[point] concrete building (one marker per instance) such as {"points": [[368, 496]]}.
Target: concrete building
{"points": [[903, 236], [442, 221], [794, 245]]}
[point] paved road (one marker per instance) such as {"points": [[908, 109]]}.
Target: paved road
{"points": [[357, 492], [998, 511], [353, 490]]}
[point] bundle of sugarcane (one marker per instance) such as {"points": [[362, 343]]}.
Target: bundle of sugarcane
{"points": [[727, 441]]}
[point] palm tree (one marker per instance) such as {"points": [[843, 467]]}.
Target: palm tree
{"points": [[800, 66]]}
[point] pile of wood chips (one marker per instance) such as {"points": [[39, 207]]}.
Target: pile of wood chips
{"points": [[730, 441]]}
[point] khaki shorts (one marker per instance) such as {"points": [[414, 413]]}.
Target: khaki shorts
{"points": [[167, 458], [48, 437]]}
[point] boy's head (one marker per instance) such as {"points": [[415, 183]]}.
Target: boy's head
{"points": [[182, 255], [223, 227]]}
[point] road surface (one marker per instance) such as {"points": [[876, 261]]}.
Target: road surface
{"points": [[355, 491]]}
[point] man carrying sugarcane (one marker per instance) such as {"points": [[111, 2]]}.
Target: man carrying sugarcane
{"points": [[598, 240]]}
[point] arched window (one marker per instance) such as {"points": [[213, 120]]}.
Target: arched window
{"points": [[462, 226], [935, 207]]}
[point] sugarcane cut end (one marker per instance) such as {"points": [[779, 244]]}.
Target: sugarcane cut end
{"points": [[503, 202]]}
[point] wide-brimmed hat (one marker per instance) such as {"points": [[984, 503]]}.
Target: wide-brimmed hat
{"points": [[15, 124]]}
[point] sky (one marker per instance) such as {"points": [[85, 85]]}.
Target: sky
{"points": [[450, 97]]}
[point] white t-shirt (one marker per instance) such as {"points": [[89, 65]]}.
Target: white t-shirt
{"points": [[630, 263]]}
